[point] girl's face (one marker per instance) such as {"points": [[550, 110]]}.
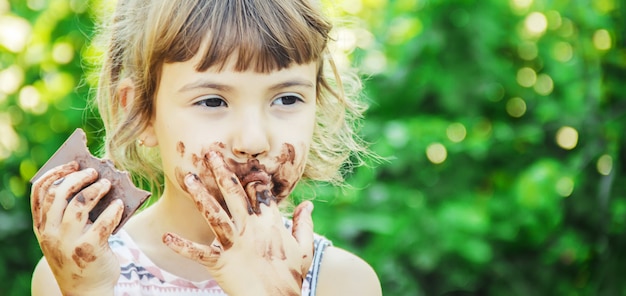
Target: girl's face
{"points": [[261, 124]]}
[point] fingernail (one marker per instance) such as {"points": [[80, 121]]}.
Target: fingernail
{"points": [[212, 155], [309, 207], [190, 179], [72, 165]]}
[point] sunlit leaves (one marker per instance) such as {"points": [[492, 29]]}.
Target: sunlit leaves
{"points": [[509, 110]]}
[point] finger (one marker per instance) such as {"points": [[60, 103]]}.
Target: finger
{"points": [[41, 186], [231, 188], [258, 193], [214, 214], [303, 231], [77, 212], [206, 255], [103, 227], [56, 201], [253, 205]]}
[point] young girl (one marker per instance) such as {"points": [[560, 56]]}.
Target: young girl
{"points": [[225, 105]]}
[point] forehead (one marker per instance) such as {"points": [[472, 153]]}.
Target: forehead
{"points": [[259, 35], [182, 76]]}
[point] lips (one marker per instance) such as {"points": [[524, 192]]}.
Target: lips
{"points": [[255, 176]]}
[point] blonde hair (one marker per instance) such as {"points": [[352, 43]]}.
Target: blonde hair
{"points": [[265, 35]]}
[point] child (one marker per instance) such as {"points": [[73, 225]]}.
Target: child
{"points": [[225, 105]]}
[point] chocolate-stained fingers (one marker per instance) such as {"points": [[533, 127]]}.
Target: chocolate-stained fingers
{"points": [[40, 189], [254, 240], [76, 249], [56, 197], [77, 211], [231, 188], [106, 223], [302, 231], [206, 255], [213, 212]]}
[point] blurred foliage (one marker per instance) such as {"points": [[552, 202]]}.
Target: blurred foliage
{"points": [[502, 121]]}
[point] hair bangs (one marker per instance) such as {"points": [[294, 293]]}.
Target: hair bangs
{"points": [[260, 35]]}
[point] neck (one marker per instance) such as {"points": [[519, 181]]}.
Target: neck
{"points": [[176, 212]]}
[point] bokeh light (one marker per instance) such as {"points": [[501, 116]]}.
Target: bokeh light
{"points": [[521, 5], [602, 40], [605, 164], [62, 53], [456, 132], [14, 32], [544, 84], [554, 19], [526, 77], [30, 100], [528, 50], [516, 107], [11, 79], [436, 153], [536, 24], [562, 51], [565, 186], [9, 141], [567, 137]]}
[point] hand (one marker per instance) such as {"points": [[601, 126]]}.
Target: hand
{"points": [[252, 254], [77, 250]]}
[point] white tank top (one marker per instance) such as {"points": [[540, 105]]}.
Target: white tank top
{"points": [[140, 276]]}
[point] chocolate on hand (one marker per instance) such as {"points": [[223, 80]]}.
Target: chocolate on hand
{"points": [[75, 148]]}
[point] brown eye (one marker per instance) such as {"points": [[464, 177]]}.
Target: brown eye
{"points": [[212, 102], [287, 100]]}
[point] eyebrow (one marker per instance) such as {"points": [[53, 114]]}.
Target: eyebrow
{"points": [[204, 84]]}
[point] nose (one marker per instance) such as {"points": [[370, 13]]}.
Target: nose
{"points": [[251, 138]]}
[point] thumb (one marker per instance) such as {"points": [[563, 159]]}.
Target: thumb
{"points": [[303, 231]]}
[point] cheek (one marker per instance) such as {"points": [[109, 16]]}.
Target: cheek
{"points": [[290, 167]]}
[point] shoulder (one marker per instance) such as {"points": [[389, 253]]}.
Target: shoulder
{"points": [[43, 282], [343, 273]]}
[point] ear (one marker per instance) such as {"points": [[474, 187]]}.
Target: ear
{"points": [[126, 94], [148, 136]]}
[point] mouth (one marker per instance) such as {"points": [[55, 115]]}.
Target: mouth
{"points": [[254, 176]]}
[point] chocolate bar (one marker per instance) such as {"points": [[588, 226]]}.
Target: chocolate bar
{"points": [[75, 148]]}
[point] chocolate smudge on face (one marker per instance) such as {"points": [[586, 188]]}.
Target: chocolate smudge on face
{"points": [[181, 148], [283, 177], [288, 154], [278, 177], [289, 172]]}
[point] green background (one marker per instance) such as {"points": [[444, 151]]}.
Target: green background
{"points": [[502, 122]]}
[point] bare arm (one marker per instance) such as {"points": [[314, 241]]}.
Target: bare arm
{"points": [[43, 282], [343, 273]]}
